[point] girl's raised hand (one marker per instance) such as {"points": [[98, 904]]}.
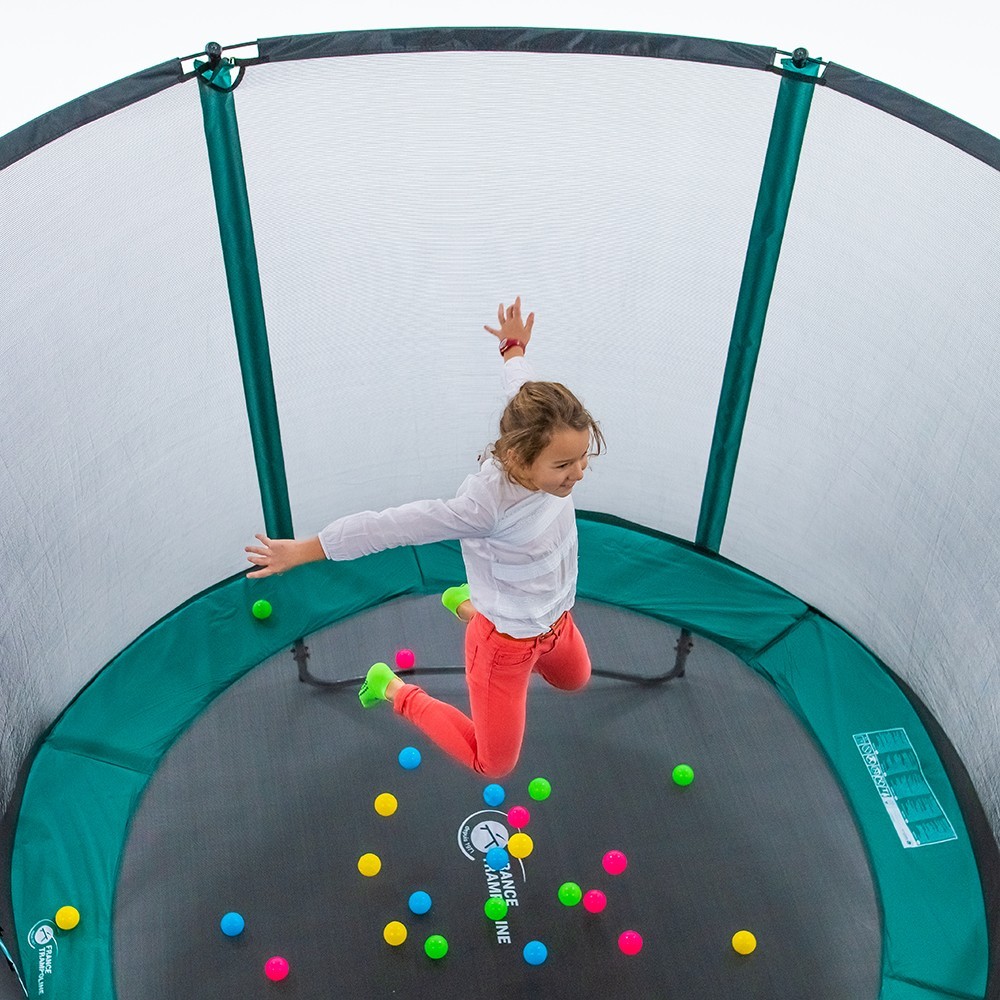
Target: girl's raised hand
{"points": [[511, 325]]}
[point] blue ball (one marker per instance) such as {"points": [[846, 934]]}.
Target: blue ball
{"points": [[493, 795], [420, 902], [409, 758], [232, 924], [535, 953], [497, 858]]}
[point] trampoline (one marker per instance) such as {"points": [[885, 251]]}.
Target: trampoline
{"points": [[225, 275]]}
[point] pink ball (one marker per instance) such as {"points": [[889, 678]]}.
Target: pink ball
{"points": [[405, 659], [276, 968], [630, 942], [518, 817], [594, 901], [615, 862]]}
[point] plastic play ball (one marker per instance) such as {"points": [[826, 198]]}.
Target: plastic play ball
{"points": [[67, 917], [394, 933], [630, 942], [369, 864], [436, 946], [405, 659], [276, 969], [518, 817], [409, 758], [520, 845], [495, 908], [569, 894], [419, 902], [594, 900], [683, 774], [385, 804], [744, 942], [232, 924], [535, 953], [539, 789], [493, 795], [497, 858], [261, 609], [614, 862]]}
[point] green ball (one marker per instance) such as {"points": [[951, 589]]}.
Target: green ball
{"points": [[570, 894], [495, 909], [261, 609], [539, 789], [683, 774], [436, 946]]}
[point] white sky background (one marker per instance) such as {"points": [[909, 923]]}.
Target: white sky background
{"points": [[940, 51]]}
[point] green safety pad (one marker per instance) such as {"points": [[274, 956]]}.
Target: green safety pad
{"points": [[934, 917], [67, 855], [89, 774], [668, 579]]}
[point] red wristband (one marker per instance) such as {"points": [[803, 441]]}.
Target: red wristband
{"points": [[508, 343]]}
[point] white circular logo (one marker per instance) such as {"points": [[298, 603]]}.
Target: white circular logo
{"points": [[43, 935], [488, 833]]}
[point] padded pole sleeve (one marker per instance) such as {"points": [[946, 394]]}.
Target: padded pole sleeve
{"points": [[243, 278], [777, 180]]}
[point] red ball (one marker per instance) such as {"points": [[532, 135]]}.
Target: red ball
{"points": [[630, 942], [615, 862], [276, 968], [594, 901], [518, 817], [405, 659]]}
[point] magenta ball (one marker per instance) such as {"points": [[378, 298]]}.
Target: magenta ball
{"points": [[594, 901], [615, 862], [630, 942], [276, 968], [518, 817], [405, 659]]}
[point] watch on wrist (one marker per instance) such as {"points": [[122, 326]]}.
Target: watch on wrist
{"points": [[507, 343]]}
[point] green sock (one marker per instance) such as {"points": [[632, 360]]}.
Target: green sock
{"points": [[376, 681], [454, 596]]}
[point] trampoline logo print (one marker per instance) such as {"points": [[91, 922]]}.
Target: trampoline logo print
{"points": [[42, 940], [476, 835]]}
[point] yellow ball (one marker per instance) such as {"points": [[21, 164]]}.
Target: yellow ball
{"points": [[67, 917], [385, 804], [394, 933], [744, 942], [369, 864], [520, 845]]}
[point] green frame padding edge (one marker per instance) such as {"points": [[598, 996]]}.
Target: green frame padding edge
{"points": [[92, 768]]}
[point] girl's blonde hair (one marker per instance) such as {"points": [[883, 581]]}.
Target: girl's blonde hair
{"points": [[535, 413]]}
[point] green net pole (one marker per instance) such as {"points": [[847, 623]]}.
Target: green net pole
{"points": [[240, 255], [777, 180]]}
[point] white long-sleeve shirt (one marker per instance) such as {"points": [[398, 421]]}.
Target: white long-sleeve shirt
{"points": [[519, 545]]}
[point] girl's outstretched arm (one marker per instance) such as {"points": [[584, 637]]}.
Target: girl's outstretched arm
{"points": [[473, 514]]}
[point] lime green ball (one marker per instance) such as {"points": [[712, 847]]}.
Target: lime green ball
{"points": [[261, 609], [683, 774], [495, 909], [436, 946], [539, 789], [570, 894]]}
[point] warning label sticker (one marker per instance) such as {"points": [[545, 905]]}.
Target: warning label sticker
{"points": [[899, 779]]}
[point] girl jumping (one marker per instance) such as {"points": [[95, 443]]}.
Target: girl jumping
{"points": [[516, 522]]}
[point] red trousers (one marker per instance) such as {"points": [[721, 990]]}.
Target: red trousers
{"points": [[497, 669]]}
